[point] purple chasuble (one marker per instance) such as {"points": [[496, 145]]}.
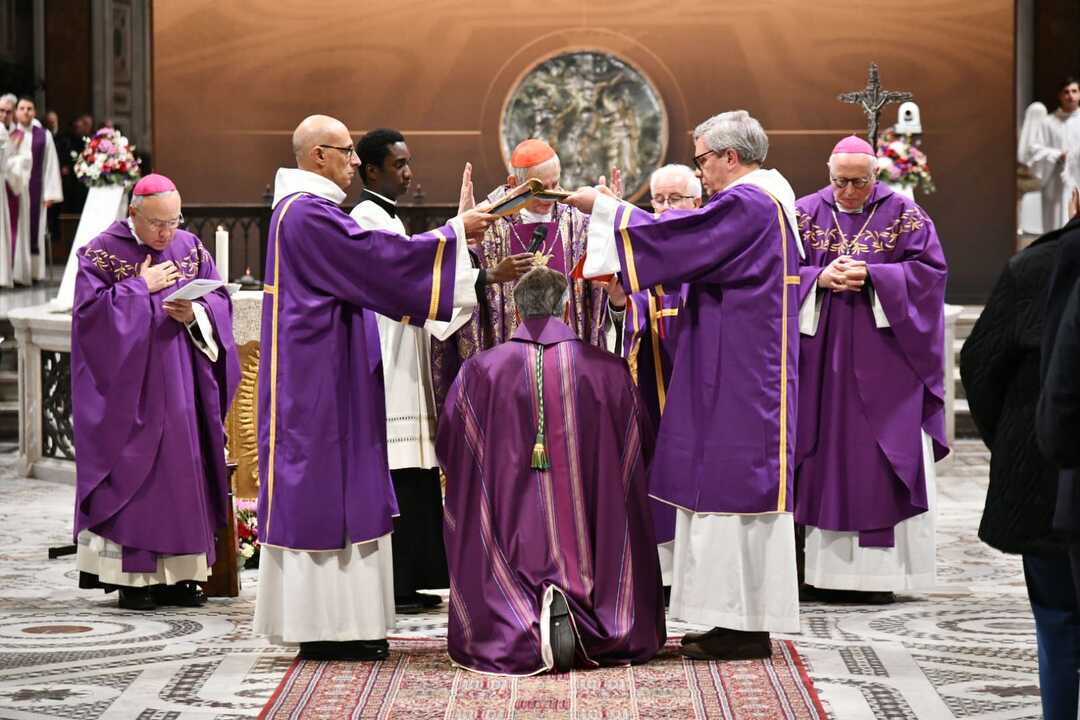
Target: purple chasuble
{"points": [[868, 391], [148, 406], [325, 479], [649, 342], [581, 526], [37, 153], [495, 319], [727, 432]]}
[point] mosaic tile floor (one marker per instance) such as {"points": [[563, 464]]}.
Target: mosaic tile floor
{"points": [[964, 651]]}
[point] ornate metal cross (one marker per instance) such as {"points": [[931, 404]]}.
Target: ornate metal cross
{"points": [[872, 98]]}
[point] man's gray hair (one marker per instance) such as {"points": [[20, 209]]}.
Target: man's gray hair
{"points": [[693, 184], [11, 98], [736, 130], [541, 292], [522, 174]]}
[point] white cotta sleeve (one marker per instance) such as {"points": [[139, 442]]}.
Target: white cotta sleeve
{"points": [[464, 273], [601, 257], [810, 312], [52, 189], [201, 332]]}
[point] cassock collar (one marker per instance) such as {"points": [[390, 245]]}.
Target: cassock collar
{"points": [[775, 184], [531, 217], [381, 200], [544, 331], [290, 181]]}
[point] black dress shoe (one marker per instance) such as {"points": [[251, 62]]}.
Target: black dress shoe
{"points": [[698, 637], [427, 600], [185, 593], [137, 598], [731, 645], [349, 650], [563, 645], [407, 606]]}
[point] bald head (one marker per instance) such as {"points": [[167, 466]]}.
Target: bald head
{"points": [[323, 145]]}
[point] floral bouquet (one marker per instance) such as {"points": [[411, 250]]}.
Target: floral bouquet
{"points": [[107, 159], [247, 532], [901, 162]]}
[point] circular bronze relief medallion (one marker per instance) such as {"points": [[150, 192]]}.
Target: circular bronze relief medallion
{"points": [[597, 110]]}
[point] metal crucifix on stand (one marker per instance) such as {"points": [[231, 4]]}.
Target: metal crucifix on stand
{"points": [[872, 98]]}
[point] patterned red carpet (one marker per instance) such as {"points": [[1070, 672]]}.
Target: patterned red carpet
{"points": [[418, 682]]}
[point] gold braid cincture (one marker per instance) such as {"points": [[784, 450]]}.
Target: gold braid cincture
{"points": [[539, 453]]}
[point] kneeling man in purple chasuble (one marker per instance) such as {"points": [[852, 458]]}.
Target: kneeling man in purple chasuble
{"points": [[548, 529]]}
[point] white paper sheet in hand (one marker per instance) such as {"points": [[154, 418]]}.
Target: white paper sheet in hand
{"points": [[194, 290]]}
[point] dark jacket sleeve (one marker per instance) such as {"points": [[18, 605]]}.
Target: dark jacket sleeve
{"points": [[1066, 273], [1058, 417], [990, 355]]}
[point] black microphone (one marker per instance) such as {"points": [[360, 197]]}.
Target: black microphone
{"points": [[538, 237]]}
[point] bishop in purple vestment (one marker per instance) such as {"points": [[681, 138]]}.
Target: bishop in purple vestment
{"points": [[151, 382], [550, 545], [554, 235], [326, 501], [871, 413], [723, 455]]}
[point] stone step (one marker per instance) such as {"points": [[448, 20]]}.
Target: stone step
{"points": [[958, 384]]}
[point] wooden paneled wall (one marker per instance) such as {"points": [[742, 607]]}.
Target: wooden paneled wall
{"points": [[232, 79]]}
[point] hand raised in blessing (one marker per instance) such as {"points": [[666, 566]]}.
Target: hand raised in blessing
{"points": [[466, 200], [1074, 203], [158, 277]]}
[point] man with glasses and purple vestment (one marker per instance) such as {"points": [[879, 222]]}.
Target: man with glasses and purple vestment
{"points": [[724, 451], [549, 538], [642, 328], [151, 381], [326, 501], [871, 402]]}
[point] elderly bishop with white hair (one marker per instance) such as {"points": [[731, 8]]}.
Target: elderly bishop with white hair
{"points": [[724, 452], [326, 501], [871, 406]]}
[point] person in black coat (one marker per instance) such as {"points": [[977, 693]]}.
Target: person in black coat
{"points": [[1000, 368], [1053, 584]]}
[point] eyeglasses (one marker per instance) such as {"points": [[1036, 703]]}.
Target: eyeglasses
{"points": [[165, 224], [349, 150], [699, 160], [857, 183], [670, 200]]}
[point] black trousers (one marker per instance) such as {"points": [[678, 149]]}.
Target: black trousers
{"points": [[419, 552]]}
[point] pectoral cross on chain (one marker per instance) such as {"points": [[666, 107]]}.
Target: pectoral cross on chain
{"points": [[872, 98]]}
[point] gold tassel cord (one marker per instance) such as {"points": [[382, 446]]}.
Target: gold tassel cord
{"points": [[539, 454]]}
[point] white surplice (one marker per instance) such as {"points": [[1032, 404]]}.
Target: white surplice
{"points": [[729, 570], [406, 357], [27, 267], [834, 559], [5, 218], [1060, 132], [346, 594]]}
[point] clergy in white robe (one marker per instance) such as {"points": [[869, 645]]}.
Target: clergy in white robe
{"points": [[419, 551], [34, 184], [5, 217], [1055, 156], [723, 457]]}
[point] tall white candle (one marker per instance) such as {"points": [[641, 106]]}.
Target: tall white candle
{"points": [[221, 245]]}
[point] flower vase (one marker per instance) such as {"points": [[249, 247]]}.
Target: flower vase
{"points": [[105, 204]]}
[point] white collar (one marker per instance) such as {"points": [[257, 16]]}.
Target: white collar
{"points": [[293, 180], [845, 211], [381, 197], [131, 227], [775, 184], [528, 216]]}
